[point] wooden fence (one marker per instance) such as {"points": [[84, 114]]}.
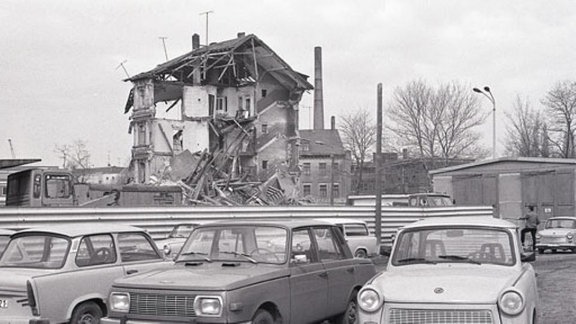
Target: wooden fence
{"points": [[159, 221]]}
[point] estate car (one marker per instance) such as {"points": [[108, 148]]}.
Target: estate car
{"points": [[357, 235], [453, 270], [242, 271], [558, 234], [172, 244], [63, 273]]}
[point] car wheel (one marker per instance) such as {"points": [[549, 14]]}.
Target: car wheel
{"points": [[263, 317], [87, 313], [553, 250], [541, 251], [350, 316], [360, 254]]}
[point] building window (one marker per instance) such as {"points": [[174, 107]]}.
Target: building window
{"points": [[323, 191], [305, 146], [264, 93], [335, 190], [306, 168], [264, 128], [264, 165], [335, 166], [240, 100], [222, 103], [248, 104], [306, 189], [322, 169], [141, 137]]}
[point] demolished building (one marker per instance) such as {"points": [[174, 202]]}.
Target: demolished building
{"points": [[220, 117]]}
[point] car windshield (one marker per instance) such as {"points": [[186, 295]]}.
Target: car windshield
{"points": [[42, 251], [182, 231], [475, 245], [245, 243], [561, 223]]}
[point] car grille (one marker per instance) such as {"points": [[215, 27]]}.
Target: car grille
{"points": [[162, 305], [439, 316]]}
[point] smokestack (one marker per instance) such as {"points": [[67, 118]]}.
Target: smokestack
{"points": [[318, 96], [241, 34], [332, 123], [195, 42]]}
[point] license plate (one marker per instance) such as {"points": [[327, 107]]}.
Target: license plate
{"points": [[3, 303]]}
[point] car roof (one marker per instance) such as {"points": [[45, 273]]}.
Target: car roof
{"points": [[4, 231], [288, 223], [463, 220], [338, 220], [562, 217], [74, 230]]}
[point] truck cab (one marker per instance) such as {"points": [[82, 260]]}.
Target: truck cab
{"points": [[40, 188]]}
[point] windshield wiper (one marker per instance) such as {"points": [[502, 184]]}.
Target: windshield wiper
{"points": [[248, 257], [415, 260], [459, 258], [203, 255]]}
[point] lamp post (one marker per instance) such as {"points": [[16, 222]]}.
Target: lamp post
{"points": [[488, 94]]}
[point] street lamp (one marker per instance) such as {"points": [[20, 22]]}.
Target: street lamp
{"points": [[488, 94]]}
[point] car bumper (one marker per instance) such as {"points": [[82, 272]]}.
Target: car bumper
{"points": [[555, 246], [107, 320], [24, 320]]}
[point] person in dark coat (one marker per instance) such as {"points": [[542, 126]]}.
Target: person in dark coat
{"points": [[531, 226]]}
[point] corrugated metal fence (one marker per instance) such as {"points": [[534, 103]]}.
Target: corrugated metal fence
{"points": [[159, 221]]}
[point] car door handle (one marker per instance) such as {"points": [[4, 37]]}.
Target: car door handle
{"points": [[131, 271], [351, 270], [323, 275]]}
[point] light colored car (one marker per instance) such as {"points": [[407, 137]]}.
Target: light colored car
{"points": [[357, 235], [172, 244], [248, 271], [453, 270], [4, 238], [63, 273], [559, 233]]}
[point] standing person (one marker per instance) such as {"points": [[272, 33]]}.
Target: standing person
{"points": [[531, 225]]}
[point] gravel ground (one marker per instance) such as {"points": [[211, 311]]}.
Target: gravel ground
{"points": [[556, 277]]}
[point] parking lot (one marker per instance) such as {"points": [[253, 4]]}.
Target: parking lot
{"points": [[555, 276]]}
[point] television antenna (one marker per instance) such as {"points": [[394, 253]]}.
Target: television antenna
{"points": [[11, 148], [121, 65], [163, 38], [207, 13]]}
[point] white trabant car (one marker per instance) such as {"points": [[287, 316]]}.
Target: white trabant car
{"points": [[357, 235], [172, 244], [453, 270], [62, 273], [559, 233]]}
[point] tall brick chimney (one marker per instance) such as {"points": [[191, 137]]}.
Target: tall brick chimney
{"points": [[318, 95], [195, 42]]}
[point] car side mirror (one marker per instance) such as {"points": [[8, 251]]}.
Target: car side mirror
{"points": [[528, 257]]}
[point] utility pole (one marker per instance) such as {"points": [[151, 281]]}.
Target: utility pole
{"points": [[11, 148], [207, 13], [163, 38], [121, 65], [378, 220]]}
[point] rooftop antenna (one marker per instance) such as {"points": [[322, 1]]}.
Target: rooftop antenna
{"points": [[11, 148], [121, 65], [207, 13], [163, 38]]}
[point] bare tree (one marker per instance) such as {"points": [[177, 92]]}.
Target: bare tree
{"points": [[437, 122], [560, 103], [74, 156], [359, 137], [526, 133]]}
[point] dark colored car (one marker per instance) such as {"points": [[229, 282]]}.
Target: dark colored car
{"points": [[243, 271]]}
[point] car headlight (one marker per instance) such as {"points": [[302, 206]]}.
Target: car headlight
{"points": [[120, 302], [570, 236], [208, 305], [538, 235], [369, 300], [511, 302]]}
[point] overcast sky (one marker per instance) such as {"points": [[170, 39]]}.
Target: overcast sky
{"points": [[60, 80]]}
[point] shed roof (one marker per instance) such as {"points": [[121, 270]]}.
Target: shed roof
{"points": [[522, 163]]}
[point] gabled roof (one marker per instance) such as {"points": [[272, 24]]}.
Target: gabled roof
{"points": [[249, 46], [9, 163], [321, 142], [521, 160]]}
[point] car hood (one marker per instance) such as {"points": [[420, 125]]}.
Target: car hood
{"points": [[14, 279], [556, 231], [450, 284], [205, 276]]}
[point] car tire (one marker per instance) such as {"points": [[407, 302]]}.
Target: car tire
{"points": [[86, 313], [360, 253], [541, 251], [553, 250], [350, 316], [263, 317]]}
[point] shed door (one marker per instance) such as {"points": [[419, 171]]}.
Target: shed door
{"points": [[475, 190], [552, 192]]}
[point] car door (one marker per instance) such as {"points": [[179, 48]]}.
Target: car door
{"points": [[138, 253], [308, 280], [339, 265]]}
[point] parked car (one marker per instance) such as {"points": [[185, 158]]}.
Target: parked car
{"points": [[357, 235], [63, 273], [558, 234], [248, 271], [172, 244], [453, 270], [4, 238]]}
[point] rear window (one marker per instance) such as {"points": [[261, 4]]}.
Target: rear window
{"points": [[356, 230], [39, 251]]}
